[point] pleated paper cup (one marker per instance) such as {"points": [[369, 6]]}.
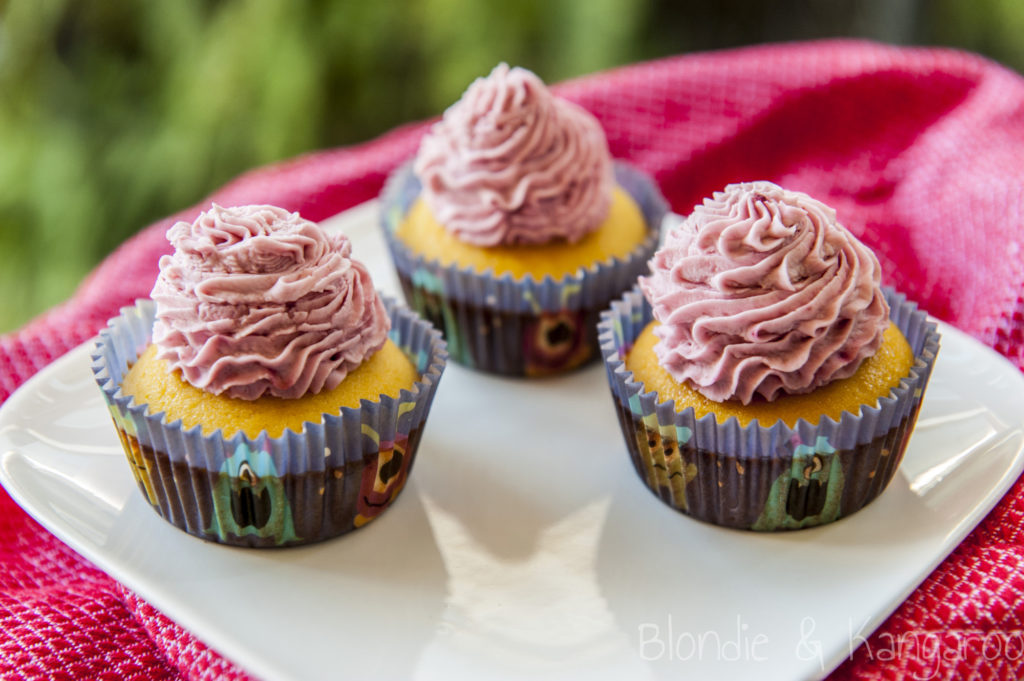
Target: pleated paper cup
{"points": [[756, 477], [505, 325], [299, 488]]}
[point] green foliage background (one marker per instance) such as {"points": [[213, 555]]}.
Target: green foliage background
{"points": [[114, 113]]}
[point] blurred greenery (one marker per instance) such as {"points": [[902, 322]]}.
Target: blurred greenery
{"points": [[114, 113]]}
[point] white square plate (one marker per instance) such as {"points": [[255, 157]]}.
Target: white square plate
{"points": [[524, 545]]}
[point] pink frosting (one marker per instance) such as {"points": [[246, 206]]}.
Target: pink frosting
{"points": [[256, 300], [761, 291], [510, 163]]}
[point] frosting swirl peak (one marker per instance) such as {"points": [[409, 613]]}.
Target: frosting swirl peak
{"points": [[256, 300], [510, 163], [760, 291]]}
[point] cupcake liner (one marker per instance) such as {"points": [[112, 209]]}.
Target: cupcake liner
{"points": [[299, 488], [524, 326], [756, 477]]}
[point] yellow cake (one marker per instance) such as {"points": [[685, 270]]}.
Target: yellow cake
{"points": [[875, 377], [619, 234], [150, 381]]}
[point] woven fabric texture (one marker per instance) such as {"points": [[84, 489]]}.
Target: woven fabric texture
{"points": [[919, 151]]}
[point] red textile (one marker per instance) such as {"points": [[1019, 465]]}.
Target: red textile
{"points": [[919, 150]]}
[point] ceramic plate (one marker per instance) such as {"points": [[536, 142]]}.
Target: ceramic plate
{"points": [[525, 545]]}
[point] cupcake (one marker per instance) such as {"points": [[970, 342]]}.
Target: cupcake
{"points": [[513, 228], [267, 395], [762, 377]]}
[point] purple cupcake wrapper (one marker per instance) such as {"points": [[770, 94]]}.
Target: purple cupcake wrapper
{"points": [[510, 326], [756, 477], [298, 488]]}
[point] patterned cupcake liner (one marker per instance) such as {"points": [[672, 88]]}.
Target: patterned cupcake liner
{"points": [[756, 477], [509, 326], [299, 488]]}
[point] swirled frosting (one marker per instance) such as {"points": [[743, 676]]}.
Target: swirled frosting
{"points": [[256, 300], [510, 163], [760, 291]]}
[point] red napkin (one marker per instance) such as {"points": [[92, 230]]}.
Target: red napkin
{"points": [[920, 151]]}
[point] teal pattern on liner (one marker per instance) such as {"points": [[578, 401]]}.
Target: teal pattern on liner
{"points": [[813, 467], [250, 499]]}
